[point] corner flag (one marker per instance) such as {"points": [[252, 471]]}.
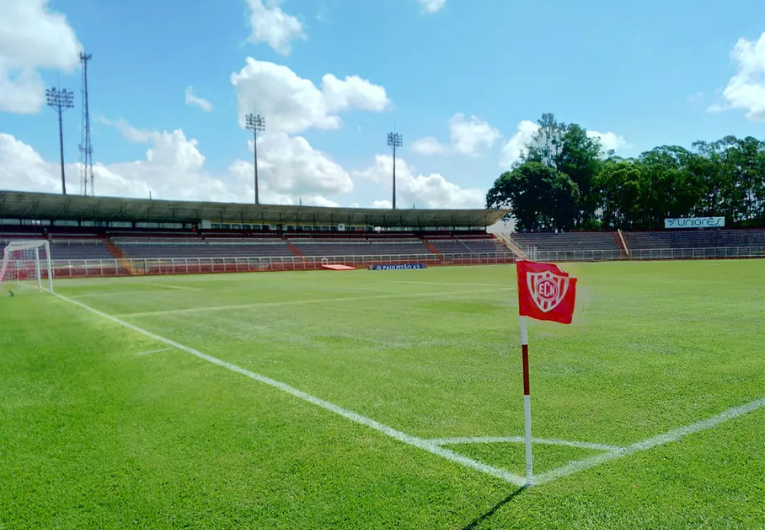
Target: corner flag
{"points": [[544, 293]]}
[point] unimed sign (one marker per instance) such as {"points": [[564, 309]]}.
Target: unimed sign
{"points": [[695, 222]]}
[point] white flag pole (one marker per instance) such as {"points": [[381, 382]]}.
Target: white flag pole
{"points": [[526, 399]]}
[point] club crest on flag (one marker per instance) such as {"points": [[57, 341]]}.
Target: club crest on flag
{"points": [[545, 292], [547, 289]]}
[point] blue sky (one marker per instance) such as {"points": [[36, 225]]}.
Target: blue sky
{"points": [[459, 79]]}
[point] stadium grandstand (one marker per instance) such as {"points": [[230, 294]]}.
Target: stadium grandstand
{"points": [[102, 236]]}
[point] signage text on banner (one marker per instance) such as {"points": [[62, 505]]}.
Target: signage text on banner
{"points": [[397, 267], [695, 222]]}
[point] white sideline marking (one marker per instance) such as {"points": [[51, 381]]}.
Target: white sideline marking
{"points": [[520, 439], [348, 414], [114, 293], [671, 436], [172, 286], [153, 351], [456, 283], [306, 302]]}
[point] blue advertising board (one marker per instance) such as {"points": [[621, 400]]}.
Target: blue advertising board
{"points": [[397, 267]]}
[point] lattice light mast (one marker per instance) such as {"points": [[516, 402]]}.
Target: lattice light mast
{"points": [[395, 140], [255, 123], [87, 180], [60, 100]]}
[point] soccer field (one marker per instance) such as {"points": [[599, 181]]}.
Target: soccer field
{"points": [[385, 399]]}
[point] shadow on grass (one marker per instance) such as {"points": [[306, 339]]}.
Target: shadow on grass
{"points": [[472, 525]]}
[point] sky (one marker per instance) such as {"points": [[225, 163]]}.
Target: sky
{"points": [[464, 82]]}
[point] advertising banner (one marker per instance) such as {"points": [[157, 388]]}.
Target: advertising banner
{"points": [[400, 267], [695, 222]]}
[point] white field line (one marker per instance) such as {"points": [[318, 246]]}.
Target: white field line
{"points": [[115, 293], [488, 285], [671, 436], [153, 351], [166, 286], [520, 440], [348, 414], [307, 302]]}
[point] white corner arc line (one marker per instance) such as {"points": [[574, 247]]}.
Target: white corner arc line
{"points": [[348, 414], [521, 439], [670, 436]]}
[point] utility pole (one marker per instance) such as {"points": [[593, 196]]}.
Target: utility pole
{"points": [[60, 100], [255, 123], [395, 140], [87, 180]]}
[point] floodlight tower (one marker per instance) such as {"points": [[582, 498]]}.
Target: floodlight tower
{"points": [[395, 140], [255, 123], [86, 148], [60, 100]]}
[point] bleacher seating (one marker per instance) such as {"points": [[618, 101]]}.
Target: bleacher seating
{"points": [[199, 249], [79, 250], [81, 243], [369, 248], [567, 241], [473, 245], [696, 239]]}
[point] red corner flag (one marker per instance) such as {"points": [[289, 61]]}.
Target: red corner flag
{"points": [[545, 292]]}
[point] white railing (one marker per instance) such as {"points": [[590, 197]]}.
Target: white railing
{"points": [[122, 267], [649, 254]]}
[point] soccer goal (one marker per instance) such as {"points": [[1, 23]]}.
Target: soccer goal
{"points": [[27, 264]]}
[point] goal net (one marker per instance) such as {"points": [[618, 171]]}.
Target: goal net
{"points": [[26, 264]]}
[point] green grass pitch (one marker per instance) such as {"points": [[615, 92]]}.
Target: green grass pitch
{"points": [[105, 427]]}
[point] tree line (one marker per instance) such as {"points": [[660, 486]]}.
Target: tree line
{"points": [[564, 180]]}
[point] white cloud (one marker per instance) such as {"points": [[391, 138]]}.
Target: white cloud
{"points": [[290, 165], [292, 104], [432, 6], [513, 148], [425, 191], [746, 90], [472, 137], [609, 140], [273, 26], [386, 205], [31, 38], [195, 101], [21, 167], [353, 93], [130, 133], [468, 137], [428, 146], [174, 168]]}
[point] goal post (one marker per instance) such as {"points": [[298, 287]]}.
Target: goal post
{"points": [[27, 263]]}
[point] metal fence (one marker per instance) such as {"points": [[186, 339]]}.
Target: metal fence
{"points": [[648, 254], [125, 267]]}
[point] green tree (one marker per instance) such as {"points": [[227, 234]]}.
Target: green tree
{"points": [[580, 159], [569, 150], [618, 186], [541, 198]]}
